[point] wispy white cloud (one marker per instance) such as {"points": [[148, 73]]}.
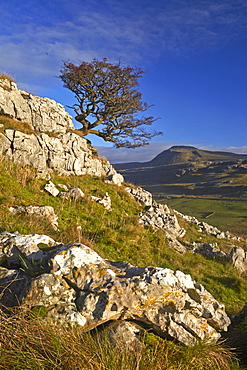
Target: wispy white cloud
{"points": [[33, 43], [132, 31]]}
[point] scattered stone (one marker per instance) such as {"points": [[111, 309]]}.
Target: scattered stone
{"points": [[176, 245], [206, 228], [105, 201], [77, 285], [159, 217], [63, 186], [238, 257], [115, 178], [51, 189], [211, 250], [72, 194], [141, 195], [40, 211]]}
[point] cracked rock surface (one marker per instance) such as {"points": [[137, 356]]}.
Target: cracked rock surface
{"points": [[76, 285]]}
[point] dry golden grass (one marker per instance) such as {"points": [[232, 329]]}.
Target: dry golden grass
{"points": [[6, 76], [29, 342]]}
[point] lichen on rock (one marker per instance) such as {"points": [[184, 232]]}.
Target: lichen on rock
{"points": [[75, 284]]}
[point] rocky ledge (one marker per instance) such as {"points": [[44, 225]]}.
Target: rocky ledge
{"points": [[41, 114], [75, 285]]}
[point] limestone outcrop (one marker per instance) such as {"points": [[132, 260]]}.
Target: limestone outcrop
{"points": [[42, 114], [105, 201], [140, 195], [52, 147], [67, 154], [158, 216], [76, 285]]}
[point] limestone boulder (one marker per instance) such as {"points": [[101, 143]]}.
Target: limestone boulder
{"points": [[127, 334], [17, 250], [77, 285], [51, 188], [115, 178]]}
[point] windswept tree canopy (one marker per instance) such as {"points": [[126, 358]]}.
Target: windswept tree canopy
{"points": [[107, 99]]}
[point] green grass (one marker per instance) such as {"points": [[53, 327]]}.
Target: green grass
{"points": [[116, 235]]}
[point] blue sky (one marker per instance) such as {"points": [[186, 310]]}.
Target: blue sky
{"points": [[194, 53]]}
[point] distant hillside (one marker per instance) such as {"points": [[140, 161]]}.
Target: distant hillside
{"points": [[197, 182], [178, 155]]}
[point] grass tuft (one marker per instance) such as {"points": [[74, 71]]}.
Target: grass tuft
{"points": [[29, 342], [6, 76]]}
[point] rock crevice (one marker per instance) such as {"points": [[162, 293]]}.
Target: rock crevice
{"points": [[76, 285]]}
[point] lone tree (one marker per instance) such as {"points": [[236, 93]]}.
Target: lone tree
{"points": [[107, 98]]}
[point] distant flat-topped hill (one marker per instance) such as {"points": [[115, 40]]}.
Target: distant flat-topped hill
{"points": [[178, 155], [196, 182], [186, 170]]}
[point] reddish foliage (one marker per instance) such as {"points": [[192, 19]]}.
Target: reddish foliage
{"points": [[106, 95]]}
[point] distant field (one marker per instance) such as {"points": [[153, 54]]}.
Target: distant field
{"points": [[224, 214]]}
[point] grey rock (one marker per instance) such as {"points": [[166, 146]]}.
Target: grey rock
{"points": [[64, 187], [40, 211], [72, 194], [105, 201], [211, 250], [82, 287], [141, 195], [176, 245], [158, 218], [206, 228], [115, 178], [67, 154], [42, 114], [125, 333], [51, 189], [238, 257]]}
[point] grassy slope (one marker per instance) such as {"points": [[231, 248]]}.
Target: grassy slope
{"points": [[115, 235]]}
